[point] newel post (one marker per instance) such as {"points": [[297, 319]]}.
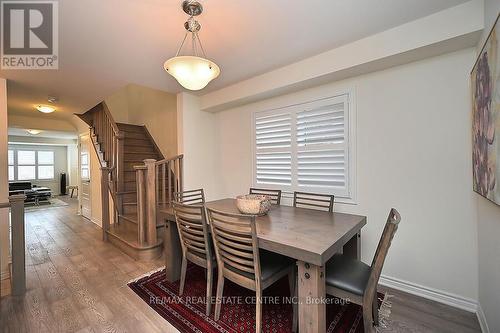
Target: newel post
{"points": [[151, 201], [18, 245], [140, 175], [105, 202]]}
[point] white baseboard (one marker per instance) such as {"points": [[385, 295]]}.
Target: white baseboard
{"points": [[482, 319], [5, 275], [96, 221], [440, 296]]}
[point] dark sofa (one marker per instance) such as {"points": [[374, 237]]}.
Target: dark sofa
{"points": [[33, 193]]}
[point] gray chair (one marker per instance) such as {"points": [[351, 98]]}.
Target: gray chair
{"points": [[191, 197], [313, 201], [352, 279], [195, 243], [240, 260], [275, 195]]}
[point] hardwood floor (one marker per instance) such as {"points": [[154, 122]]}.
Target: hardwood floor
{"points": [[77, 283]]}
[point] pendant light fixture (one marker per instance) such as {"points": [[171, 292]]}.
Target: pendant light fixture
{"points": [[194, 71]]}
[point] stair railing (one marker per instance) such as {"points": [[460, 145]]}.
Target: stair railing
{"points": [[108, 141], [17, 243], [156, 183]]}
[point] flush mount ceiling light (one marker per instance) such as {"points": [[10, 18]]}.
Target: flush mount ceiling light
{"points": [[33, 131], [45, 108], [193, 72]]}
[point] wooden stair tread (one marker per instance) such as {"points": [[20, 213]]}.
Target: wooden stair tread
{"points": [[130, 237], [134, 150], [133, 156], [129, 139], [132, 218], [130, 128]]}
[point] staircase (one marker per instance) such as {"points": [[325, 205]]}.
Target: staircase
{"points": [[136, 176]]}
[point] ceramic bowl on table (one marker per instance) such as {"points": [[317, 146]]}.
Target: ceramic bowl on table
{"points": [[254, 204]]}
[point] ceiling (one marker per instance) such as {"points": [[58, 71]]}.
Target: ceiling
{"points": [[104, 45], [43, 134]]}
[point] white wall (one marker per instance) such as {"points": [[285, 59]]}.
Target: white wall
{"points": [[413, 153], [73, 171], [449, 30], [156, 109], [4, 187], [60, 165], [489, 225], [197, 142]]}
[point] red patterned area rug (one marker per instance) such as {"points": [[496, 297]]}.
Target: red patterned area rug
{"points": [[187, 313]]}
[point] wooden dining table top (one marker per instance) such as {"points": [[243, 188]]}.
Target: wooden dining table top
{"points": [[304, 234]]}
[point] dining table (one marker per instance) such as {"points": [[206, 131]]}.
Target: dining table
{"points": [[311, 237]]}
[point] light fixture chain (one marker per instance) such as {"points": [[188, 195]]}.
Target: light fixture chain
{"points": [[180, 47], [201, 45]]}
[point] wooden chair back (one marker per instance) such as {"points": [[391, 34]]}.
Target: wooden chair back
{"points": [[193, 232], [191, 197], [236, 247], [390, 229], [313, 201], [275, 195]]}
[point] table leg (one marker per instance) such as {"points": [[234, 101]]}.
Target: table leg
{"points": [[172, 251], [311, 293], [352, 248]]}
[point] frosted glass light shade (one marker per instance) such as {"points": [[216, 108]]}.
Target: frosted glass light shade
{"points": [[193, 73], [45, 108]]}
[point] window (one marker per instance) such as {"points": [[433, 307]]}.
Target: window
{"points": [[85, 168], [45, 164], [11, 165], [26, 165], [30, 164], [304, 147]]}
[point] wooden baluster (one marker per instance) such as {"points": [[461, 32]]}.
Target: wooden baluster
{"points": [[18, 245], [163, 184], [169, 180], [151, 201], [181, 173], [157, 184], [174, 177], [99, 126], [108, 141], [176, 174], [106, 149], [120, 162], [105, 202], [141, 203]]}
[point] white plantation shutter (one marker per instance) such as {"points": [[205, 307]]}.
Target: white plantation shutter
{"points": [[304, 147], [273, 160], [321, 168]]}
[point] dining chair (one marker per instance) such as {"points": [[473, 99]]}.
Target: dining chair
{"points": [[275, 195], [352, 279], [240, 260], [191, 197], [196, 243], [313, 201]]}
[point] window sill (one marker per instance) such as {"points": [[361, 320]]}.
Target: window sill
{"points": [[338, 200]]}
